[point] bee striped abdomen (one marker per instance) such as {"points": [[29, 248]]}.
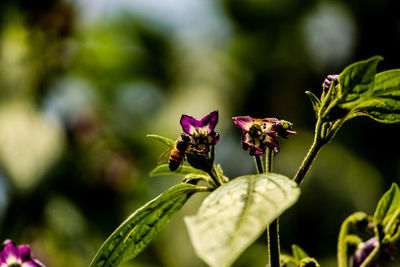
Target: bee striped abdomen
{"points": [[175, 160]]}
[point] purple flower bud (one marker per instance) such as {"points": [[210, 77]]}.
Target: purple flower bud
{"points": [[259, 134], [201, 131], [13, 255], [328, 81], [363, 251]]}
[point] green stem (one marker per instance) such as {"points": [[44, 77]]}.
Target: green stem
{"points": [[268, 160], [273, 243], [371, 257], [259, 166], [308, 160], [213, 172], [273, 228], [214, 177]]}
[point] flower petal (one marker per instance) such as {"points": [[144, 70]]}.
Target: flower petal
{"points": [[25, 253], [244, 122], [255, 151], [32, 263], [215, 138], [209, 121], [189, 124], [9, 252]]}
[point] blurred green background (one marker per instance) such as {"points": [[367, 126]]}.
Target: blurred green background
{"points": [[83, 81]]}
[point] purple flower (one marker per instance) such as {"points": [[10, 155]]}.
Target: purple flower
{"points": [[328, 81], [201, 131], [259, 134], [363, 251], [12, 255]]}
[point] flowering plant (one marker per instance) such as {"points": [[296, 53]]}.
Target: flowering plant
{"points": [[238, 210], [12, 255]]}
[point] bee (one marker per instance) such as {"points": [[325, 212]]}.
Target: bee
{"points": [[176, 154]]}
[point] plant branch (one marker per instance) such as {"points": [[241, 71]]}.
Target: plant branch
{"points": [[308, 160]]}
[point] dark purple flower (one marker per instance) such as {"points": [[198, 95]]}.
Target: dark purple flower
{"points": [[12, 255], [201, 131], [328, 81], [259, 134], [363, 251]]}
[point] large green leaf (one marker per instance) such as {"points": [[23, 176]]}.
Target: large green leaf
{"points": [[356, 82], [139, 229], [384, 103], [235, 214], [163, 169], [387, 206]]}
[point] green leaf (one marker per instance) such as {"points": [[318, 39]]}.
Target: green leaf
{"points": [[384, 103], [356, 82], [163, 169], [140, 228], [316, 103], [235, 214], [288, 261], [298, 252], [308, 262], [162, 139], [387, 206]]}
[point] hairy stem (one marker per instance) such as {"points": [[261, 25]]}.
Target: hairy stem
{"points": [[213, 172], [258, 162], [308, 160], [268, 160], [273, 228]]}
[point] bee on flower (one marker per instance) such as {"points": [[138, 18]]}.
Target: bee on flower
{"points": [[201, 131]]}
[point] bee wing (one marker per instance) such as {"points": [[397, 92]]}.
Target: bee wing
{"points": [[164, 157]]}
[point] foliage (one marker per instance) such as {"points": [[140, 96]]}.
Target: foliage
{"points": [[238, 211]]}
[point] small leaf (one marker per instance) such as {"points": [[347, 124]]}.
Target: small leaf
{"points": [[237, 213], [195, 178], [309, 262], [298, 252], [384, 103], [288, 261], [163, 169], [315, 102], [140, 228], [162, 139], [387, 206]]}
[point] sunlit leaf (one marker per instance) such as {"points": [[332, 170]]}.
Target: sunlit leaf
{"points": [[298, 252], [387, 206], [140, 228], [384, 103], [356, 83], [162, 139], [357, 80], [235, 214], [163, 169]]}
